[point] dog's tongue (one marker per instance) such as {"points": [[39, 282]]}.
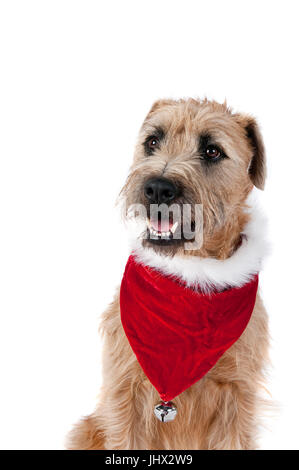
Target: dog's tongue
{"points": [[162, 225]]}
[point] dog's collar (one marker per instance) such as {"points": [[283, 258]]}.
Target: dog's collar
{"points": [[207, 273], [178, 334]]}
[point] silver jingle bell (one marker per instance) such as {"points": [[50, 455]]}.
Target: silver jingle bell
{"points": [[165, 411]]}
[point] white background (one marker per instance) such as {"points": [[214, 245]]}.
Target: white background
{"points": [[77, 78]]}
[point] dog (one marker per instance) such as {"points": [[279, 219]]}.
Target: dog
{"points": [[194, 152]]}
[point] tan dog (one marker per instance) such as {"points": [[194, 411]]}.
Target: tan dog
{"points": [[215, 158]]}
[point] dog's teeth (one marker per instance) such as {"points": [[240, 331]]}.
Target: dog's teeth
{"points": [[174, 227], [164, 234]]}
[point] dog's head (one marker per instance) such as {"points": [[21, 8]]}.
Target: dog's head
{"points": [[192, 153]]}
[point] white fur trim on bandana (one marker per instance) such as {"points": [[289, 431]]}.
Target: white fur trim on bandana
{"points": [[209, 273]]}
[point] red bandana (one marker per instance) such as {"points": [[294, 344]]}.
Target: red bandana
{"points": [[178, 334]]}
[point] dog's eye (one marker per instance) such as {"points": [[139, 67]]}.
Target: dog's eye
{"points": [[152, 143], [212, 153]]}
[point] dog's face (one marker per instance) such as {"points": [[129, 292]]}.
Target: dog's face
{"points": [[194, 152]]}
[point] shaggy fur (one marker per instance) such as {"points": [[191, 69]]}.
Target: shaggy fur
{"points": [[221, 410]]}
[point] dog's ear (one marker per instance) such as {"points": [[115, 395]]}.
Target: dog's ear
{"points": [[257, 166], [159, 104]]}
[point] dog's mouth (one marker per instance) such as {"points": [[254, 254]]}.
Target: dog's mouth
{"points": [[161, 229], [167, 232]]}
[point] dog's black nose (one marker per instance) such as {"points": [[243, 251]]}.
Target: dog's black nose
{"points": [[160, 190]]}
